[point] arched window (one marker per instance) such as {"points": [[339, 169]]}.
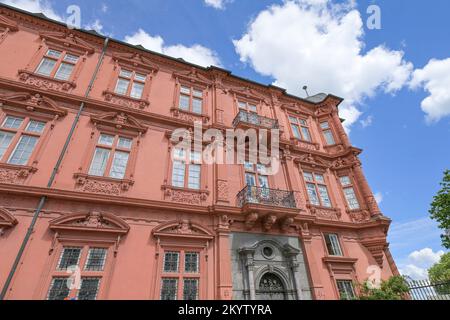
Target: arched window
{"points": [[271, 288]]}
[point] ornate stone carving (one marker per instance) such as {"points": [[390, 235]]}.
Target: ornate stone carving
{"points": [[125, 101], [99, 185], [15, 174], [376, 247], [269, 221], [182, 228], [313, 161], [119, 121], [325, 213], [359, 216], [188, 116], [222, 190], [32, 102], [7, 220], [286, 223], [91, 221], [193, 76], [187, 196], [44, 82], [67, 39], [250, 220]]}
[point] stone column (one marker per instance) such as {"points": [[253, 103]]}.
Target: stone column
{"points": [[365, 190], [293, 264], [340, 128], [225, 286]]}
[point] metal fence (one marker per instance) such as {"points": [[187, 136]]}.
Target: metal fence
{"points": [[429, 290]]}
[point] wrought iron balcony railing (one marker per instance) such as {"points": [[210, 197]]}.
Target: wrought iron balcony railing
{"points": [[252, 118], [266, 196]]}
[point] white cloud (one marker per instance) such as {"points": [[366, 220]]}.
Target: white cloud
{"points": [[196, 54], [96, 25], [35, 6], [104, 8], [320, 44], [435, 79], [367, 122], [378, 197], [419, 261], [217, 4]]}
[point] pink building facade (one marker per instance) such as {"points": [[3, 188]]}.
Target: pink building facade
{"points": [[85, 159]]}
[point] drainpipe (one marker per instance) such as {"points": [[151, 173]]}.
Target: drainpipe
{"points": [[53, 176]]}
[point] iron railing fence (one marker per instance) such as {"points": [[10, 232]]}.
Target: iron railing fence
{"points": [[255, 119], [266, 196], [429, 290]]}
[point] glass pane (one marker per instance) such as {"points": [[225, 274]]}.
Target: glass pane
{"points": [[23, 150], [35, 126], [89, 288], [140, 77], [12, 122], [184, 102], [250, 179], [296, 131], [178, 172], [169, 289], [194, 176], [324, 196], [106, 140], [324, 125], [305, 133], [59, 290], [319, 178], [293, 120], [308, 176], [171, 261], [96, 259], [71, 58], [190, 289], [329, 137], [198, 93], [263, 181], [119, 165], [125, 74], [186, 90], [346, 290], [124, 143], [70, 256], [46, 66], [136, 90], [312, 193], [196, 157], [197, 105], [53, 53], [99, 162], [345, 181], [249, 166], [122, 86], [252, 108], [351, 198], [64, 71], [191, 262], [333, 246], [5, 141], [302, 122], [242, 105], [179, 154]]}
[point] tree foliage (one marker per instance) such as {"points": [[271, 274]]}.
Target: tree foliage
{"points": [[393, 289], [440, 209], [440, 273]]}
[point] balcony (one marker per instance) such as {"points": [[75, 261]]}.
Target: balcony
{"points": [[266, 196], [250, 119]]}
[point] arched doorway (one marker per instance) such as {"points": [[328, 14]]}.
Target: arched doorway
{"points": [[271, 288]]}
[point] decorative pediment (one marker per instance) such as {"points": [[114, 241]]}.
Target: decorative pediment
{"points": [[8, 23], [93, 221], [193, 76], [324, 109], [248, 93], [119, 121], [68, 39], [31, 103], [312, 161], [183, 229], [296, 108], [135, 60], [7, 220]]}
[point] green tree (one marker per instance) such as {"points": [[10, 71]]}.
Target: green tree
{"points": [[439, 273], [395, 288], [440, 209]]}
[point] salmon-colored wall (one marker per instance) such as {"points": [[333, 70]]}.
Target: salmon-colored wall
{"points": [[148, 201]]}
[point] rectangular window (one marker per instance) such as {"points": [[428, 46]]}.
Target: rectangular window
{"points": [[59, 290], [180, 168], [169, 288], [248, 106], [130, 83], [64, 71], [327, 133], [137, 90], [99, 162], [122, 86], [12, 122], [89, 288], [178, 173], [35, 126], [119, 165], [256, 175], [191, 99], [317, 189], [5, 141], [349, 193], [96, 259], [23, 150], [191, 262], [346, 290], [70, 256], [171, 261], [300, 128], [63, 63], [333, 246], [190, 289], [194, 176], [46, 67]]}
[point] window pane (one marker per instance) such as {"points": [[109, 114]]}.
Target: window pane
{"points": [[250, 179], [190, 289], [124, 143], [252, 108], [89, 288], [70, 256], [35, 126], [119, 165], [296, 131], [197, 105], [96, 259], [64, 71], [249, 166], [186, 90], [46, 66], [305, 133], [242, 105], [191, 262], [262, 169], [125, 73], [198, 93], [58, 289], [194, 176], [53, 53], [136, 90], [308, 176], [196, 157], [329, 137], [122, 86], [179, 154], [106, 140], [169, 289], [71, 58], [346, 290], [293, 120], [333, 245], [184, 102], [302, 122], [324, 196], [23, 150], [99, 162], [351, 198], [319, 178], [5, 141], [178, 172], [140, 77], [345, 181], [312, 193], [324, 125], [12, 122], [171, 260]]}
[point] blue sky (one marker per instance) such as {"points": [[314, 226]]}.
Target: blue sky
{"points": [[397, 101]]}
